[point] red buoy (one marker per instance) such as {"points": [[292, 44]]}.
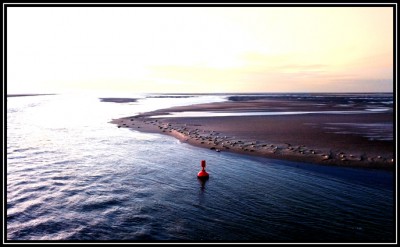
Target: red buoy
{"points": [[202, 173]]}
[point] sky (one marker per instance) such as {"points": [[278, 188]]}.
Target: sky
{"points": [[199, 49]]}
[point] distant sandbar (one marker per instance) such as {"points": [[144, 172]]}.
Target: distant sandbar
{"points": [[118, 100], [25, 95]]}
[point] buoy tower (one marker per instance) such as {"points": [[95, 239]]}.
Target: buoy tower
{"points": [[203, 174]]}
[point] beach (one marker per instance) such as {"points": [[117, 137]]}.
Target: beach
{"points": [[332, 138]]}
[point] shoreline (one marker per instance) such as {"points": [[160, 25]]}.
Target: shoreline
{"points": [[301, 138], [27, 95]]}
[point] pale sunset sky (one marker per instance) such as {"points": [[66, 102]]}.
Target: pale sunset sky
{"points": [[199, 49]]}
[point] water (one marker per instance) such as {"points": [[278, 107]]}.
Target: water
{"points": [[71, 175], [260, 113], [373, 131]]}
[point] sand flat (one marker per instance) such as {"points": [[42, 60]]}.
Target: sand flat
{"points": [[307, 137]]}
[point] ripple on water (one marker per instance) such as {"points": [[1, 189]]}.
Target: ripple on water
{"points": [[138, 220], [41, 229], [35, 188], [62, 178], [100, 204]]}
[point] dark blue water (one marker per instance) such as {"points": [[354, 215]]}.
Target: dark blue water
{"points": [[88, 180]]}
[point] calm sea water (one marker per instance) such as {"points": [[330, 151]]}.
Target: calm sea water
{"points": [[71, 175]]}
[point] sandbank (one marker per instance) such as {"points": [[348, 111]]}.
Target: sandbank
{"points": [[303, 137]]}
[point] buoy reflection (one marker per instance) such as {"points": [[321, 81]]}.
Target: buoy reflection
{"points": [[202, 182]]}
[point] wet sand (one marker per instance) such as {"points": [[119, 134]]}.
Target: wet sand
{"points": [[304, 138]]}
